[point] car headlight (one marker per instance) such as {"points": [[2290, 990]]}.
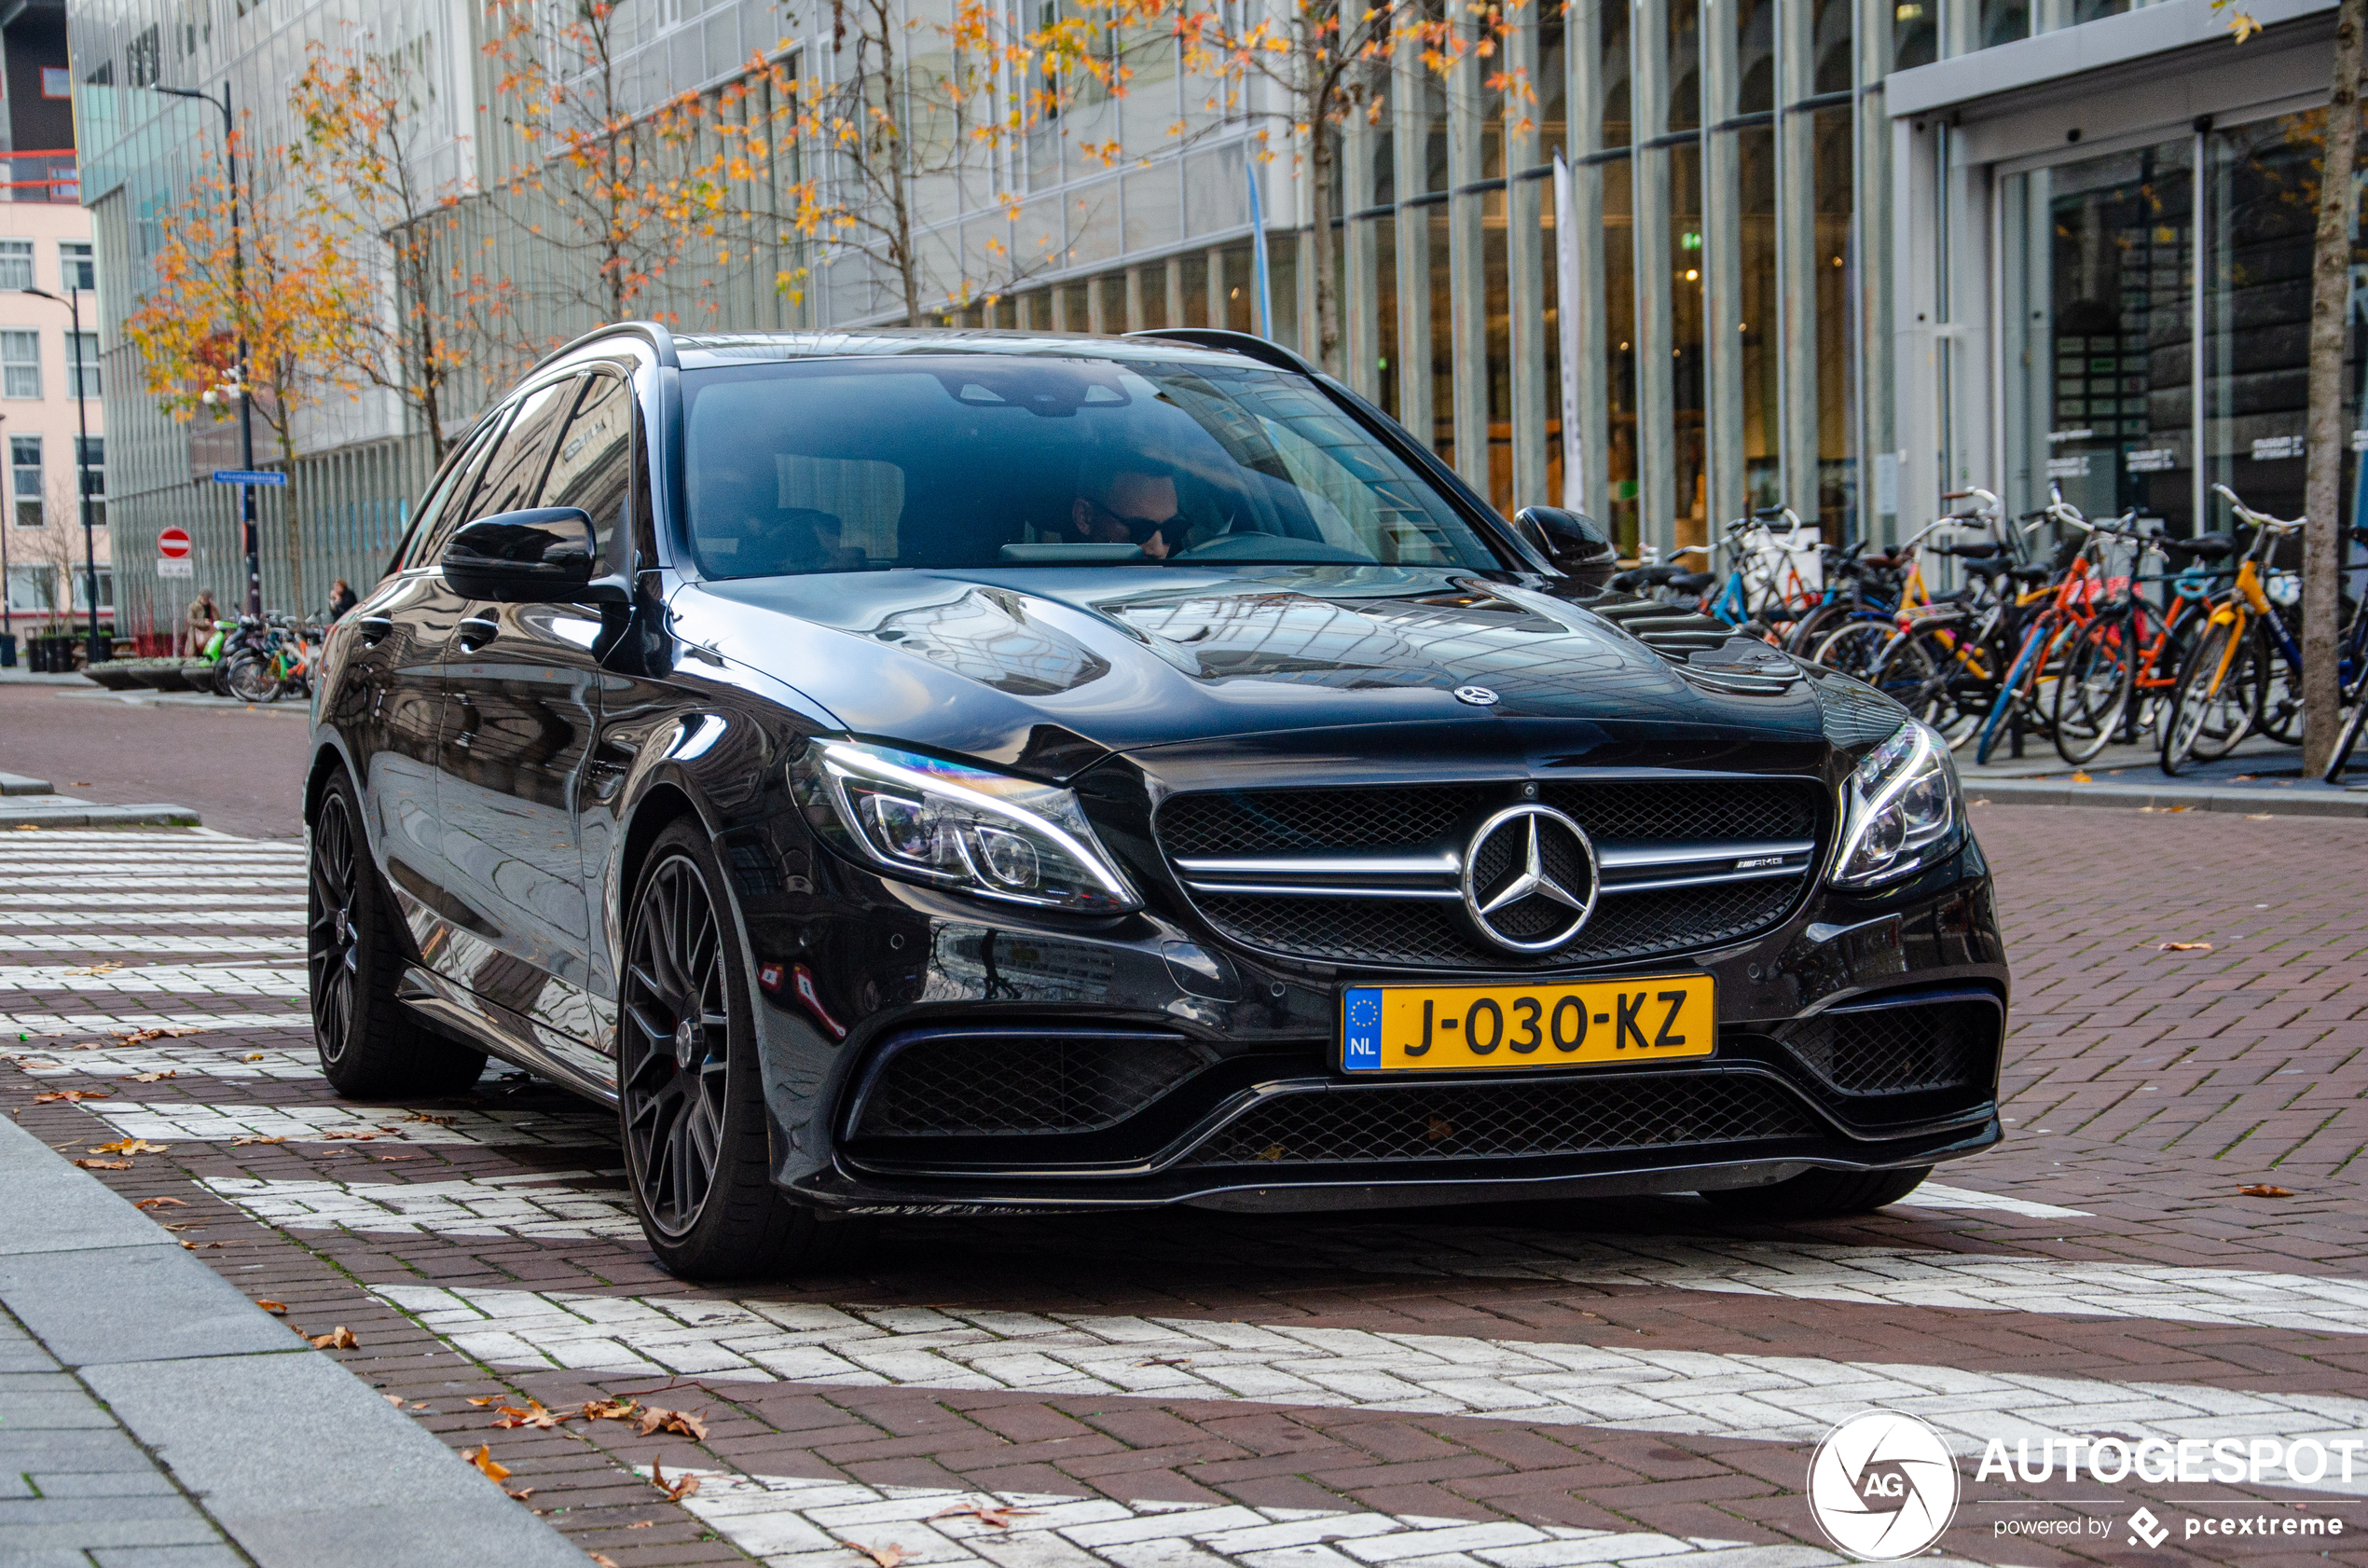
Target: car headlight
{"points": [[980, 833], [1904, 808]]}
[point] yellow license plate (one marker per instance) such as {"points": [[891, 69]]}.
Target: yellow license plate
{"points": [[1452, 1028]]}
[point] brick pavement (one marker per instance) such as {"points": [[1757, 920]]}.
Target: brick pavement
{"points": [[2147, 1087]]}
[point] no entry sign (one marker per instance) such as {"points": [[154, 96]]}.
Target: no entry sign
{"points": [[173, 544]]}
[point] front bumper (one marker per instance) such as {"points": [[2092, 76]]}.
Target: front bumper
{"points": [[1250, 1111]]}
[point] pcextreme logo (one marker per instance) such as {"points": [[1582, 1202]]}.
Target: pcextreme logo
{"points": [[1882, 1486]]}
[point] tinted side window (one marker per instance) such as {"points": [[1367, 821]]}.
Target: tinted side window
{"points": [[514, 474], [448, 505], [593, 467]]}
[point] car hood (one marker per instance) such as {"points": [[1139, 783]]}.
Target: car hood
{"points": [[1048, 670]]}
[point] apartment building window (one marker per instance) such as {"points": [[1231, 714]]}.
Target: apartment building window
{"points": [[19, 364], [76, 268], [24, 477], [143, 58], [16, 266], [55, 83], [82, 363]]}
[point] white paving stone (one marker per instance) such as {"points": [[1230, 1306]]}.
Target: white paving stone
{"points": [[787, 1522], [180, 904], [165, 1123], [182, 1061], [180, 979], [194, 941], [67, 922], [525, 1205], [42, 1025], [1770, 1397]]}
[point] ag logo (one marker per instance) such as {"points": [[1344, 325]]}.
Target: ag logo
{"points": [[1882, 1486]]}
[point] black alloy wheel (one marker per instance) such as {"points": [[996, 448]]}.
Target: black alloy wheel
{"points": [[690, 1101], [372, 1047], [676, 1069]]}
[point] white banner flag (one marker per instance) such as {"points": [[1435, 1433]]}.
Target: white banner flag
{"points": [[1567, 317]]}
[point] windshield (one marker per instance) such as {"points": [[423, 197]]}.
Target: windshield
{"points": [[973, 460]]}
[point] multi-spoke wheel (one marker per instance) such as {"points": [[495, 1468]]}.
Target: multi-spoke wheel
{"points": [[371, 1046], [689, 1103]]}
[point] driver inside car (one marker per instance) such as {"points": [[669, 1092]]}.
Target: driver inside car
{"points": [[1126, 506]]}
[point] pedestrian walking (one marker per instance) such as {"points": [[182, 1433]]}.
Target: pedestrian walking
{"points": [[200, 629], [341, 600]]}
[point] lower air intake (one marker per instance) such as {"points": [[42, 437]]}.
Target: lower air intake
{"points": [[1903, 1048], [988, 1085], [1439, 1121]]}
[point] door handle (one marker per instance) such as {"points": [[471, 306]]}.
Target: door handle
{"points": [[373, 628], [475, 632]]}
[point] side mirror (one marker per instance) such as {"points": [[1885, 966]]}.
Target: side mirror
{"points": [[533, 556], [1576, 544]]}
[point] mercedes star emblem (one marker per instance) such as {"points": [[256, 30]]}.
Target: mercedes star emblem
{"points": [[1529, 879], [1478, 697]]}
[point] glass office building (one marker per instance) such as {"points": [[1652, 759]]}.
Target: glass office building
{"points": [[1841, 255]]}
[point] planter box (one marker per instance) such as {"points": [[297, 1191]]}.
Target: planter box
{"points": [[116, 677]]}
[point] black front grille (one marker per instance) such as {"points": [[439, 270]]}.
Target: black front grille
{"points": [[990, 1085], [1443, 1121], [1902, 1049], [1396, 932], [1414, 817], [1431, 816]]}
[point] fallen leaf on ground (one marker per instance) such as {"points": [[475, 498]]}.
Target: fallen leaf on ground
{"points": [[2082, 778], [131, 1146], [426, 1116], [392, 1158], [245, 1138], [340, 1338], [161, 1203], [255, 1056], [521, 1495], [2182, 948], [488, 1399], [608, 1410], [193, 1246], [642, 1524], [482, 1458], [277, 1309], [887, 1557], [108, 968], [602, 1560], [152, 1078], [136, 1036], [683, 1486], [358, 1137], [86, 1045], [105, 1165], [658, 1418], [534, 1415], [2263, 1191], [43, 1099], [996, 1514], [394, 1399]]}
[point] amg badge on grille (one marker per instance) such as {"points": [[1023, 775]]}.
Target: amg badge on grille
{"points": [[1529, 879]]}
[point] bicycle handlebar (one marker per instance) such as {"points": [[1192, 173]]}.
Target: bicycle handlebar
{"points": [[2257, 519]]}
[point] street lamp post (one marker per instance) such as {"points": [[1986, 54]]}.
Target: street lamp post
{"points": [[237, 291], [72, 302]]}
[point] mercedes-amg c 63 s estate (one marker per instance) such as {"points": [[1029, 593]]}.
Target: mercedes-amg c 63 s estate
{"points": [[968, 772]]}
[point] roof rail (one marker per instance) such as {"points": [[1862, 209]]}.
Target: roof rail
{"points": [[1248, 345], [660, 340]]}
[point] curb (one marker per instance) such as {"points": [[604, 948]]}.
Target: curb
{"points": [[64, 811], [288, 1453], [2168, 797], [21, 784]]}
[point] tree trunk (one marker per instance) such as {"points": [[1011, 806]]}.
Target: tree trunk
{"points": [[1328, 304], [2330, 324]]}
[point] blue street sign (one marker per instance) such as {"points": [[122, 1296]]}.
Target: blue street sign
{"points": [[248, 476]]}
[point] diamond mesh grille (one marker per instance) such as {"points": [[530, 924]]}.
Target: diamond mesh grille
{"points": [[1429, 1121], [1388, 931], [1410, 817], [969, 1087], [1901, 1049]]}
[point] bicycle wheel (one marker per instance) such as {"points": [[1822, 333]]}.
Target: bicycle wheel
{"points": [[2213, 706], [249, 680], [1855, 648], [1923, 672], [2347, 739], [2014, 695], [2093, 692]]}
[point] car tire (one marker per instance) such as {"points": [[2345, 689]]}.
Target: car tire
{"points": [[372, 1046], [689, 1100], [1820, 1194]]}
